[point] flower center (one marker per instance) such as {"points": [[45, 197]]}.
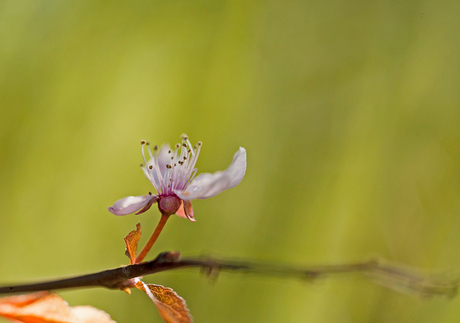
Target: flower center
{"points": [[168, 204], [169, 170]]}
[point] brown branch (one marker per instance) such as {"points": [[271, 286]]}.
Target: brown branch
{"points": [[389, 275]]}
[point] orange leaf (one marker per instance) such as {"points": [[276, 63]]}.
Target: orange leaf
{"points": [[46, 307], [131, 241], [171, 306], [22, 300]]}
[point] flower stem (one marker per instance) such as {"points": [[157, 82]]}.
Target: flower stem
{"points": [[152, 239]]}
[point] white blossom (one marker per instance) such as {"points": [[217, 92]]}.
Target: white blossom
{"points": [[173, 174]]}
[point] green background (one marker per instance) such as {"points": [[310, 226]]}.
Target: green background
{"points": [[349, 111]]}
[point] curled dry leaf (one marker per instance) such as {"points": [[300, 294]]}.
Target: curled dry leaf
{"points": [[46, 307], [171, 306], [131, 241]]}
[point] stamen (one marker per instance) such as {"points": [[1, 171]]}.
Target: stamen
{"points": [[197, 152], [181, 170], [150, 152], [192, 175], [192, 162], [152, 168], [143, 155], [165, 184], [189, 143], [147, 173]]}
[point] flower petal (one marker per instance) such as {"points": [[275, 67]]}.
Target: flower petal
{"points": [[207, 185], [164, 157], [189, 210], [186, 210], [181, 211], [237, 168], [131, 204]]}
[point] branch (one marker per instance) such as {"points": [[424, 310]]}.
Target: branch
{"points": [[392, 276]]}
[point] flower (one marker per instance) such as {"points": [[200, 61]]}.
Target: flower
{"points": [[172, 173]]}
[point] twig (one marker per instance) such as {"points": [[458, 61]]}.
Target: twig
{"points": [[389, 275]]}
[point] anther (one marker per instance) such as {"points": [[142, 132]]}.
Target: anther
{"points": [[168, 166], [199, 143], [184, 145], [150, 193], [155, 148], [150, 167], [169, 151], [143, 142], [177, 146]]}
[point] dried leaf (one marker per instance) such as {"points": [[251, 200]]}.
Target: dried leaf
{"points": [[46, 307], [89, 314], [22, 300], [171, 306], [131, 241]]}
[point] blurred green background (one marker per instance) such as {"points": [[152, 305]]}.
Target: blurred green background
{"points": [[349, 111]]}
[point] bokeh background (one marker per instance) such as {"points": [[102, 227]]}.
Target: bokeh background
{"points": [[349, 111]]}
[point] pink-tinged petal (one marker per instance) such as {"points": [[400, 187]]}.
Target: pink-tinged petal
{"points": [[132, 204], [189, 210], [147, 206], [207, 185], [181, 211]]}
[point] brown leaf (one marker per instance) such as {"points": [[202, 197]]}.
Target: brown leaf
{"points": [[131, 241], [171, 306], [46, 307]]}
